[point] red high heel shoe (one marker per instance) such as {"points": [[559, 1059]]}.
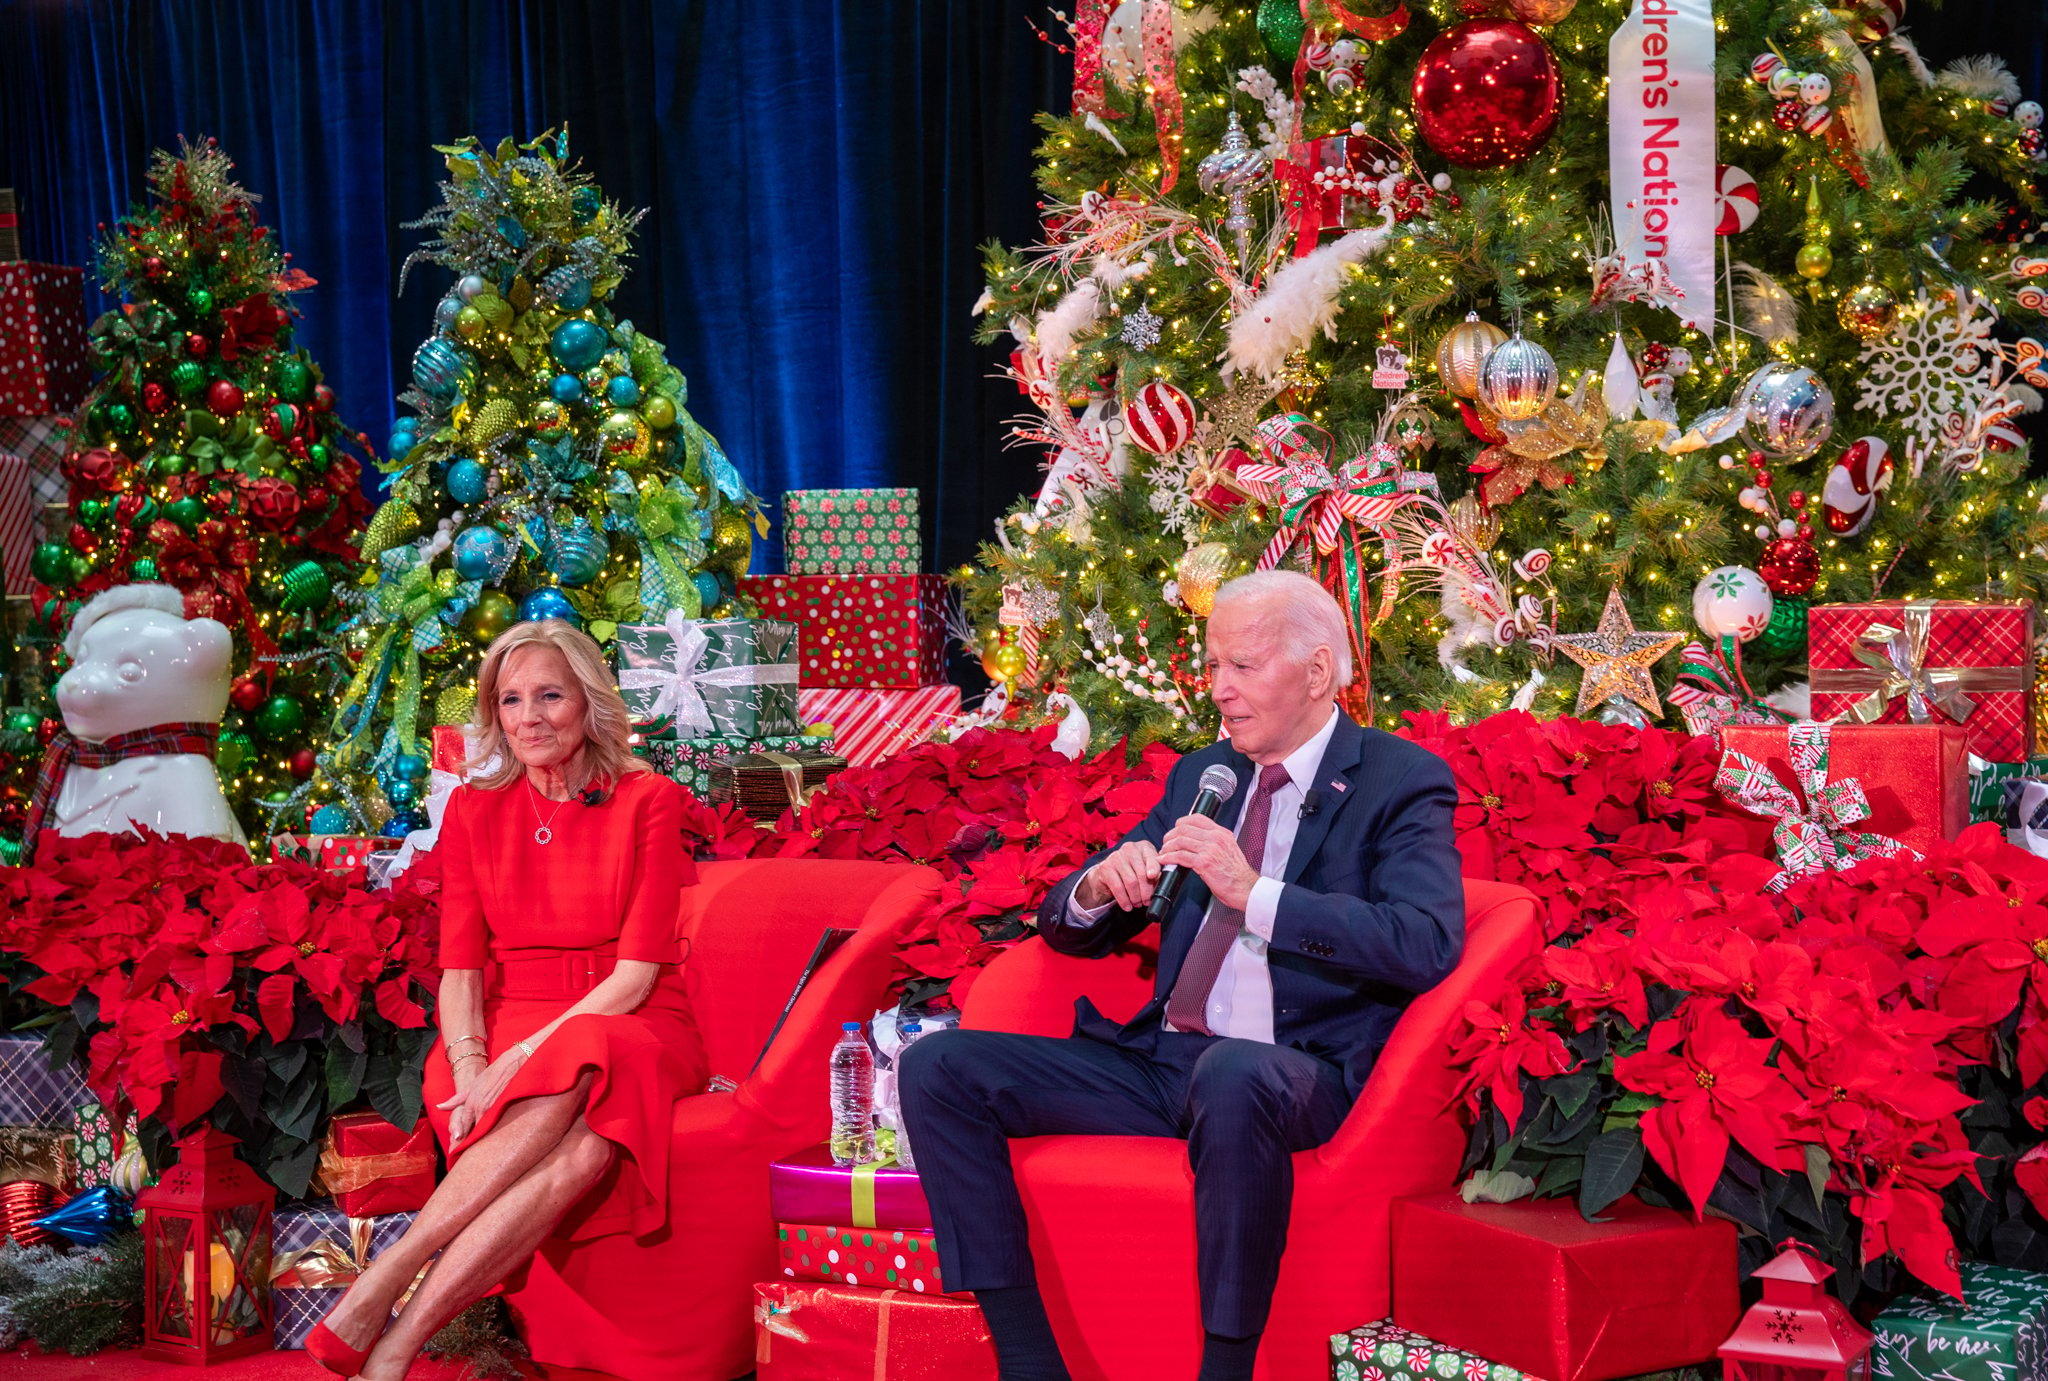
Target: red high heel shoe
{"points": [[324, 1346]]}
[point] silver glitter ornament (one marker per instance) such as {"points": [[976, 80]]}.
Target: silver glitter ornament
{"points": [[1140, 329], [1789, 409], [1237, 169], [1517, 380]]}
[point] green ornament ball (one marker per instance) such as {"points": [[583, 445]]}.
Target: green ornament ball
{"points": [[470, 323], [188, 377], [1281, 26], [280, 717], [317, 455], [121, 418], [233, 751], [659, 412], [1785, 635], [51, 563], [200, 300], [305, 585], [494, 613], [188, 513], [143, 569], [22, 721], [94, 512], [80, 564], [171, 464], [294, 381]]}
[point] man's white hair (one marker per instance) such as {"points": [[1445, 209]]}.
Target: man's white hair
{"points": [[1309, 615], [165, 599]]}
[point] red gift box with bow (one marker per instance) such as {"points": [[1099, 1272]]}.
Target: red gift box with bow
{"points": [[1536, 1287], [1939, 661], [831, 1332], [1916, 777], [369, 1167]]}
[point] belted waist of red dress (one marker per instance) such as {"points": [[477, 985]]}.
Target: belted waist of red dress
{"points": [[525, 974]]}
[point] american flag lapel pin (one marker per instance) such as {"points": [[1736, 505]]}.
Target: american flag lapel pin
{"points": [[1339, 784]]}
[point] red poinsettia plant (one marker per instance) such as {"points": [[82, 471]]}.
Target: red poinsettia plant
{"points": [[1844, 1062], [200, 985]]}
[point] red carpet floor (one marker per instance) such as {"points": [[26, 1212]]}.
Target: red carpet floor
{"points": [[264, 1366]]}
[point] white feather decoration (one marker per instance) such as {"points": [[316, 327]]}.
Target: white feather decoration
{"points": [[1300, 300], [1909, 53], [1768, 311], [1068, 318], [1985, 76], [1618, 385]]}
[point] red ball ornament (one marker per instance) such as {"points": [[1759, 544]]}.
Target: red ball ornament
{"points": [[1787, 115], [246, 694], [223, 399], [155, 397], [82, 539], [323, 398], [47, 730], [154, 268], [303, 763], [1790, 565], [1161, 418], [196, 346], [1487, 93]]}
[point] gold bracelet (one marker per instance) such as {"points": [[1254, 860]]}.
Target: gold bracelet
{"points": [[464, 1040], [471, 1056]]}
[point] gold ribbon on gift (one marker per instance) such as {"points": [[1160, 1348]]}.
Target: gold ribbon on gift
{"points": [[329, 1265], [40, 1154], [793, 782], [340, 1174], [770, 1322], [1894, 659]]}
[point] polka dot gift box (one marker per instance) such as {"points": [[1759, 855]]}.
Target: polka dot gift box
{"points": [[42, 339], [851, 532], [880, 1258], [878, 632]]}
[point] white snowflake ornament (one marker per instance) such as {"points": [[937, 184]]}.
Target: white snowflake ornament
{"points": [[1931, 372]]}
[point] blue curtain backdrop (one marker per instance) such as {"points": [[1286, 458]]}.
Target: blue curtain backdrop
{"points": [[817, 176]]}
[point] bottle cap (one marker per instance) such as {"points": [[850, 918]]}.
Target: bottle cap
{"points": [[913, 1028], [849, 1026]]}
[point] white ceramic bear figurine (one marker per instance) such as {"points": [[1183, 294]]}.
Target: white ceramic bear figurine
{"points": [[138, 662]]}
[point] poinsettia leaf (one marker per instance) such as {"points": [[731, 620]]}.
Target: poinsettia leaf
{"points": [[245, 1077], [298, 1112], [1613, 1161], [345, 1069], [1571, 1092], [289, 1164], [1818, 1167], [1559, 1176], [1496, 1187]]}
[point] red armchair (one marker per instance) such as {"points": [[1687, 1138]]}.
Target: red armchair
{"points": [[1112, 1218], [748, 929]]}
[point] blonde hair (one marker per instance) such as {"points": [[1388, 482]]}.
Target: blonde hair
{"points": [[607, 728]]}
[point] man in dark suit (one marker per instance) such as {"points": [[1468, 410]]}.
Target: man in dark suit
{"points": [[1329, 899]]}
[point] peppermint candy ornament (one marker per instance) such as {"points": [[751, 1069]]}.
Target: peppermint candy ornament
{"points": [[1735, 198], [1848, 499], [1764, 67], [1161, 418], [1732, 602], [1875, 19]]}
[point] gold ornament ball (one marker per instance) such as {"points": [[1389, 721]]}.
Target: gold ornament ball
{"points": [[1462, 350], [1474, 524], [1009, 662], [456, 705], [991, 659], [1814, 261], [732, 538], [1541, 12], [493, 614], [1199, 571], [1868, 311], [625, 437]]}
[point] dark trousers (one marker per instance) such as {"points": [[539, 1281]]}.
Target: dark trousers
{"points": [[1242, 1106]]}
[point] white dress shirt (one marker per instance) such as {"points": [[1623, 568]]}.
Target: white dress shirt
{"points": [[1241, 1003]]}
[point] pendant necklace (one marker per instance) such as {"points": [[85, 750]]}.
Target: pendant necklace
{"points": [[544, 833]]}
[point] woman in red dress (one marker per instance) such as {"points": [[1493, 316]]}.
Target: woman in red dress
{"points": [[565, 1037]]}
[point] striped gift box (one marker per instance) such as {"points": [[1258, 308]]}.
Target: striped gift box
{"points": [[869, 725], [18, 525]]}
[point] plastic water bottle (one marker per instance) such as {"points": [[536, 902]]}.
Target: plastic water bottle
{"points": [[911, 1031], [853, 1093]]}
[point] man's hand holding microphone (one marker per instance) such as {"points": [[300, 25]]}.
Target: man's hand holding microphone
{"points": [[1137, 876]]}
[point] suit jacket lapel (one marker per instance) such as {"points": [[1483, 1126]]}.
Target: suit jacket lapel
{"points": [[1340, 760]]}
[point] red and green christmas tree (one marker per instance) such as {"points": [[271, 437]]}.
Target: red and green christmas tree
{"points": [[209, 456]]}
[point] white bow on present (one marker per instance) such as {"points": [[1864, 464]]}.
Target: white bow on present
{"points": [[678, 683]]}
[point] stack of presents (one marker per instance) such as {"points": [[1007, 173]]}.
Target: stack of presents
{"points": [[845, 665], [43, 379]]}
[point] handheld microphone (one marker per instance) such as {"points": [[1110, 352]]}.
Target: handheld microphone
{"points": [[1310, 804], [1218, 784]]}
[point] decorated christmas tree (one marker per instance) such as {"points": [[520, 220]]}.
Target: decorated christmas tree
{"points": [[209, 456], [548, 469], [1536, 328]]}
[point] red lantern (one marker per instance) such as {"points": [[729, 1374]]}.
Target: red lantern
{"points": [[206, 1256], [1798, 1331]]}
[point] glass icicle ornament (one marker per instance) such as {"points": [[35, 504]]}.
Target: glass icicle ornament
{"points": [[1236, 169]]}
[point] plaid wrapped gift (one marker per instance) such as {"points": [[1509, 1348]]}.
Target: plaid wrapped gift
{"points": [[1928, 661], [2000, 1334], [1385, 1352], [765, 784], [316, 1252], [2026, 815], [694, 762], [851, 532], [880, 1258], [43, 441], [32, 1094], [870, 725], [42, 339], [40, 1154], [878, 631], [689, 678]]}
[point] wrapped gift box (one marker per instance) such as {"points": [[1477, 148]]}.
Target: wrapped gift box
{"points": [[97, 1143], [879, 1258], [340, 853], [32, 1094], [316, 1252], [809, 1188], [42, 339], [689, 678], [20, 524], [1989, 785], [833, 1332], [694, 762], [877, 631], [851, 531], [869, 725], [42, 441], [2000, 1334], [1537, 1287], [1915, 776], [1983, 651], [766, 784], [370, 1167], [42, 1154], [10, 226], [1387, 1352]]}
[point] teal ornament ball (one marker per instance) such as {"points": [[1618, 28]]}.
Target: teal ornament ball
{"points": [[402, 795], [1282, 27], [404, 436], [578, 345], [566, 388], [403, 823], [570, 289], [548, 603], [585, 205], [708, 593], [442, 369], [446, 310], [467, 481], [1785, 635], [411, 767], [578, 552], [482, 553], [623, 392], [330, 819]]}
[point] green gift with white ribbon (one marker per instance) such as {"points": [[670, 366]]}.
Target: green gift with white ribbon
{"points": [[1998, 1331], [689, 678]]}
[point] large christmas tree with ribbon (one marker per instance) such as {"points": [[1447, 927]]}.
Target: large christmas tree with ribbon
{"points": [[547, 468], [1482, 309], [209, 456]]}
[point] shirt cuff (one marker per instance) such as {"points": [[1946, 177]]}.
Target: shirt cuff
{"points": [[1086, 915], [1262, 907]]}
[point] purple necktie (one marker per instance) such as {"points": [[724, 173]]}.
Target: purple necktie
{"points": [[1187, 1006]]}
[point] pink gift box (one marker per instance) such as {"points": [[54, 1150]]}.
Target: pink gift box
{"points": [[809, 1188]]}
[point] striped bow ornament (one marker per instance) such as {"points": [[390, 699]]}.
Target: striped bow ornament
{"points": [[663, 521], [1815, 836], [1712, 691]]}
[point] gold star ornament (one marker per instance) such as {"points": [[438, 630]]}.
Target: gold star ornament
{"points": [[1617, 659]]}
